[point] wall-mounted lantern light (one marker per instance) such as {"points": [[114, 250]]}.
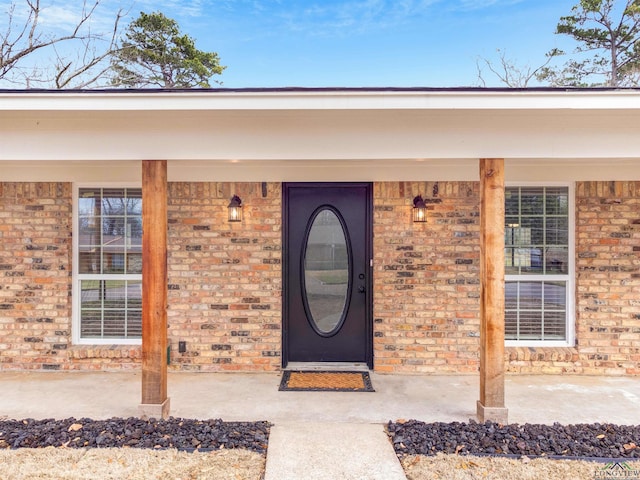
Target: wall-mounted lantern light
{"points": [[235, 209], [419, 210]]}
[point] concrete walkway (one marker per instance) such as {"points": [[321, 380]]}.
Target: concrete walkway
{"points": [[315, 432], [328, 451]]}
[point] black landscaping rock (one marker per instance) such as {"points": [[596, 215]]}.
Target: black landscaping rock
{"points": [[183, 434], [582, 440]]}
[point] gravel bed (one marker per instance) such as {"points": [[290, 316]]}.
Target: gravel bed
{"points": [[582, 440], [178, 433]]}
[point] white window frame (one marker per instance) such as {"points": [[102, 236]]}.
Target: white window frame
{"points": [[569, 278], [75, 290]]}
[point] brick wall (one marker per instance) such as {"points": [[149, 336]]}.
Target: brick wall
{"points": [[35, 249], [225, 287], [608, 276], [225, 282], [426, 286]]}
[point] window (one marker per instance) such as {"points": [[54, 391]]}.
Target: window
{"points": [[538, 262], [108, 266]]}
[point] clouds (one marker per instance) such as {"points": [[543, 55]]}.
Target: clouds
{"points": [[59, 16], [63, 14], [334, 17], [355, 16], [469, 5], [176, 8], [316, 17]]}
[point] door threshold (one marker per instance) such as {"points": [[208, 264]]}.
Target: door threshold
{"points": [[327, 366]]}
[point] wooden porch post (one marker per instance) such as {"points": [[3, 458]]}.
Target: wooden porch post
{"points": [[491, 406], [155, 402]]}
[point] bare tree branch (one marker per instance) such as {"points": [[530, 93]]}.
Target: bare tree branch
{"points": [[17, 43], [508, 73], [67, 75]]}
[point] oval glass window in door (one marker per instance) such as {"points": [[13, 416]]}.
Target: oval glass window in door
{"points": [[326, 272]]}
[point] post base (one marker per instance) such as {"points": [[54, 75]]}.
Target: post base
{"points": [[154, 410], [492, 414]]}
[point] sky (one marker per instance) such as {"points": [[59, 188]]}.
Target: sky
{"points": [[351, 43]]}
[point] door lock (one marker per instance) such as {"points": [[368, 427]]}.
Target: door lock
{"points": [[361, 289]]}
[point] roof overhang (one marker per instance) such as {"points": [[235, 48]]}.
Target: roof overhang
{"points": [[320, 128]]}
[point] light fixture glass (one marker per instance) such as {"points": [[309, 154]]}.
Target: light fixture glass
{"points": [[419, 210], [235, 209]]}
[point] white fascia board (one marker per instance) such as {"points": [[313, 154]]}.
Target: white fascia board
{"points": [[243, 100]]}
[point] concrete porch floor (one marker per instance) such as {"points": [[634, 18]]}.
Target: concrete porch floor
{"points": [[248, 397]]}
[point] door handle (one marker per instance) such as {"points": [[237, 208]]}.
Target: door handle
{"points": [[361, 289]]}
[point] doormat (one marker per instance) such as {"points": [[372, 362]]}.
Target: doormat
{"points": [[296, 381]]}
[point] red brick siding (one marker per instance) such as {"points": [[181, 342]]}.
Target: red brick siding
{"points": [[35, 282], [426, 286], [225, 298], [608, 276], [225, 287]]}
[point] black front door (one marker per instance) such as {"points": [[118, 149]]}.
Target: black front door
{"points": [[327, 273]]}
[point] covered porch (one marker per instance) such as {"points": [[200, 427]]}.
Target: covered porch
{"points": [[490, 137]]}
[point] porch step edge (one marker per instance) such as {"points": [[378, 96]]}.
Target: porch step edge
{"points": [[327, 366]]}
